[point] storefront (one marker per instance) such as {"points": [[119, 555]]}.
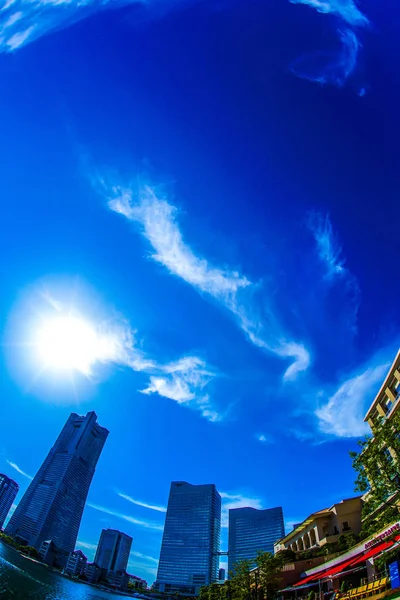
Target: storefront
{"points": [[355, 567]]}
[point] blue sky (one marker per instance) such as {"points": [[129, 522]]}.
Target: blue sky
{"points": [[214, 187]]}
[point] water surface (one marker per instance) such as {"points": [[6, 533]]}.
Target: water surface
{"points": [[22, 579]]}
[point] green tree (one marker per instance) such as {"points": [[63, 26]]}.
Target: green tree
{"points": [[269, 573], [204, 593], [214, 592], [377, 468], [241, 580]]}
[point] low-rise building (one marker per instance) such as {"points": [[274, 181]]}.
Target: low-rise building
{"points": [[323, 527], [76, 564], [92, 572], [137, 583], [48, 552], [118, 579]]}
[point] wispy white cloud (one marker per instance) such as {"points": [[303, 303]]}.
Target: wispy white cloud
{"points": [[183, 381], [158, 220], [343, 412], [328, 247], [264, 438], [17, 468], [155, 507], [236, 500], [144, 557], [40, 17], [337, 274], [330, 68], [345, 9], [132, 565], [86, 545], [130, 519]]}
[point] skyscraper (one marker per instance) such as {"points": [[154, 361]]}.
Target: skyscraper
{"points": [[113, 550], [251, 531], [8, 490], [52, 506], [190, 544]]}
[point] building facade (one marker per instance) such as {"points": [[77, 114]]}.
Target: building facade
{"points": [[76, 564], [113, 550], [92, 572], [251, 531], [52, 506], [324, 526], [191, 540], [387, 400], [8, 491]]}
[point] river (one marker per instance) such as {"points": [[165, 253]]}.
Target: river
{"points": [[22, 579]]}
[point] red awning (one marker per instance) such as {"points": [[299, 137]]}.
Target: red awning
{"points": [[347, 563], [307, 579], [338, 568], [373, 552]]}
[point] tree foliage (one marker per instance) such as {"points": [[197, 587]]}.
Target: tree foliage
{"points": [[377, 468], [249, 581]]}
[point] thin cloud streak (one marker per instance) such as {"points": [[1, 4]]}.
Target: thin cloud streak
{"points": [[158, 220], [345, 9], [86, 545], [133, 520], [328, 247], [331, 257], [330, 68], [36, 18], [144, 557], [155, 507], [20, 471]]}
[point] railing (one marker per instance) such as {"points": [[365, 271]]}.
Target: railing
{"points": [[363, 591]]}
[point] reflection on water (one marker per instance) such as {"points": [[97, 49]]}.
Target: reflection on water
{"points": [[22, 579]]}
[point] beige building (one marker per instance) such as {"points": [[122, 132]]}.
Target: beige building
{"points": [[386, 402], [324, 526]]}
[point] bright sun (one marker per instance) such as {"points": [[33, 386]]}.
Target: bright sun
{"points": [[69, 343]]}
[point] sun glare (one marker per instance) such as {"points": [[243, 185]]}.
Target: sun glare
{"points": [[69, 343]]}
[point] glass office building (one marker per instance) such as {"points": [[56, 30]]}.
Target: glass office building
{"points": [[251, 531], [112, 553], [191, 541], [8, 490], [52, 506]]}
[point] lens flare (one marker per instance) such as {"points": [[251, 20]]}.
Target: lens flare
{"points": [[68, 343]]}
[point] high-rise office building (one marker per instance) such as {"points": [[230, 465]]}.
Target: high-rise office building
{"points": [[52, 506], [8, 490], [113, 550], [191, 541], [251, 531]]}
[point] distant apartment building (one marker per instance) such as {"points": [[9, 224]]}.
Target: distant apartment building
{"points": [[8, 491], [221, 575], [324, 526], [191, 540], [52, 506], [113, 550], [251, 531], [76, 564]]}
